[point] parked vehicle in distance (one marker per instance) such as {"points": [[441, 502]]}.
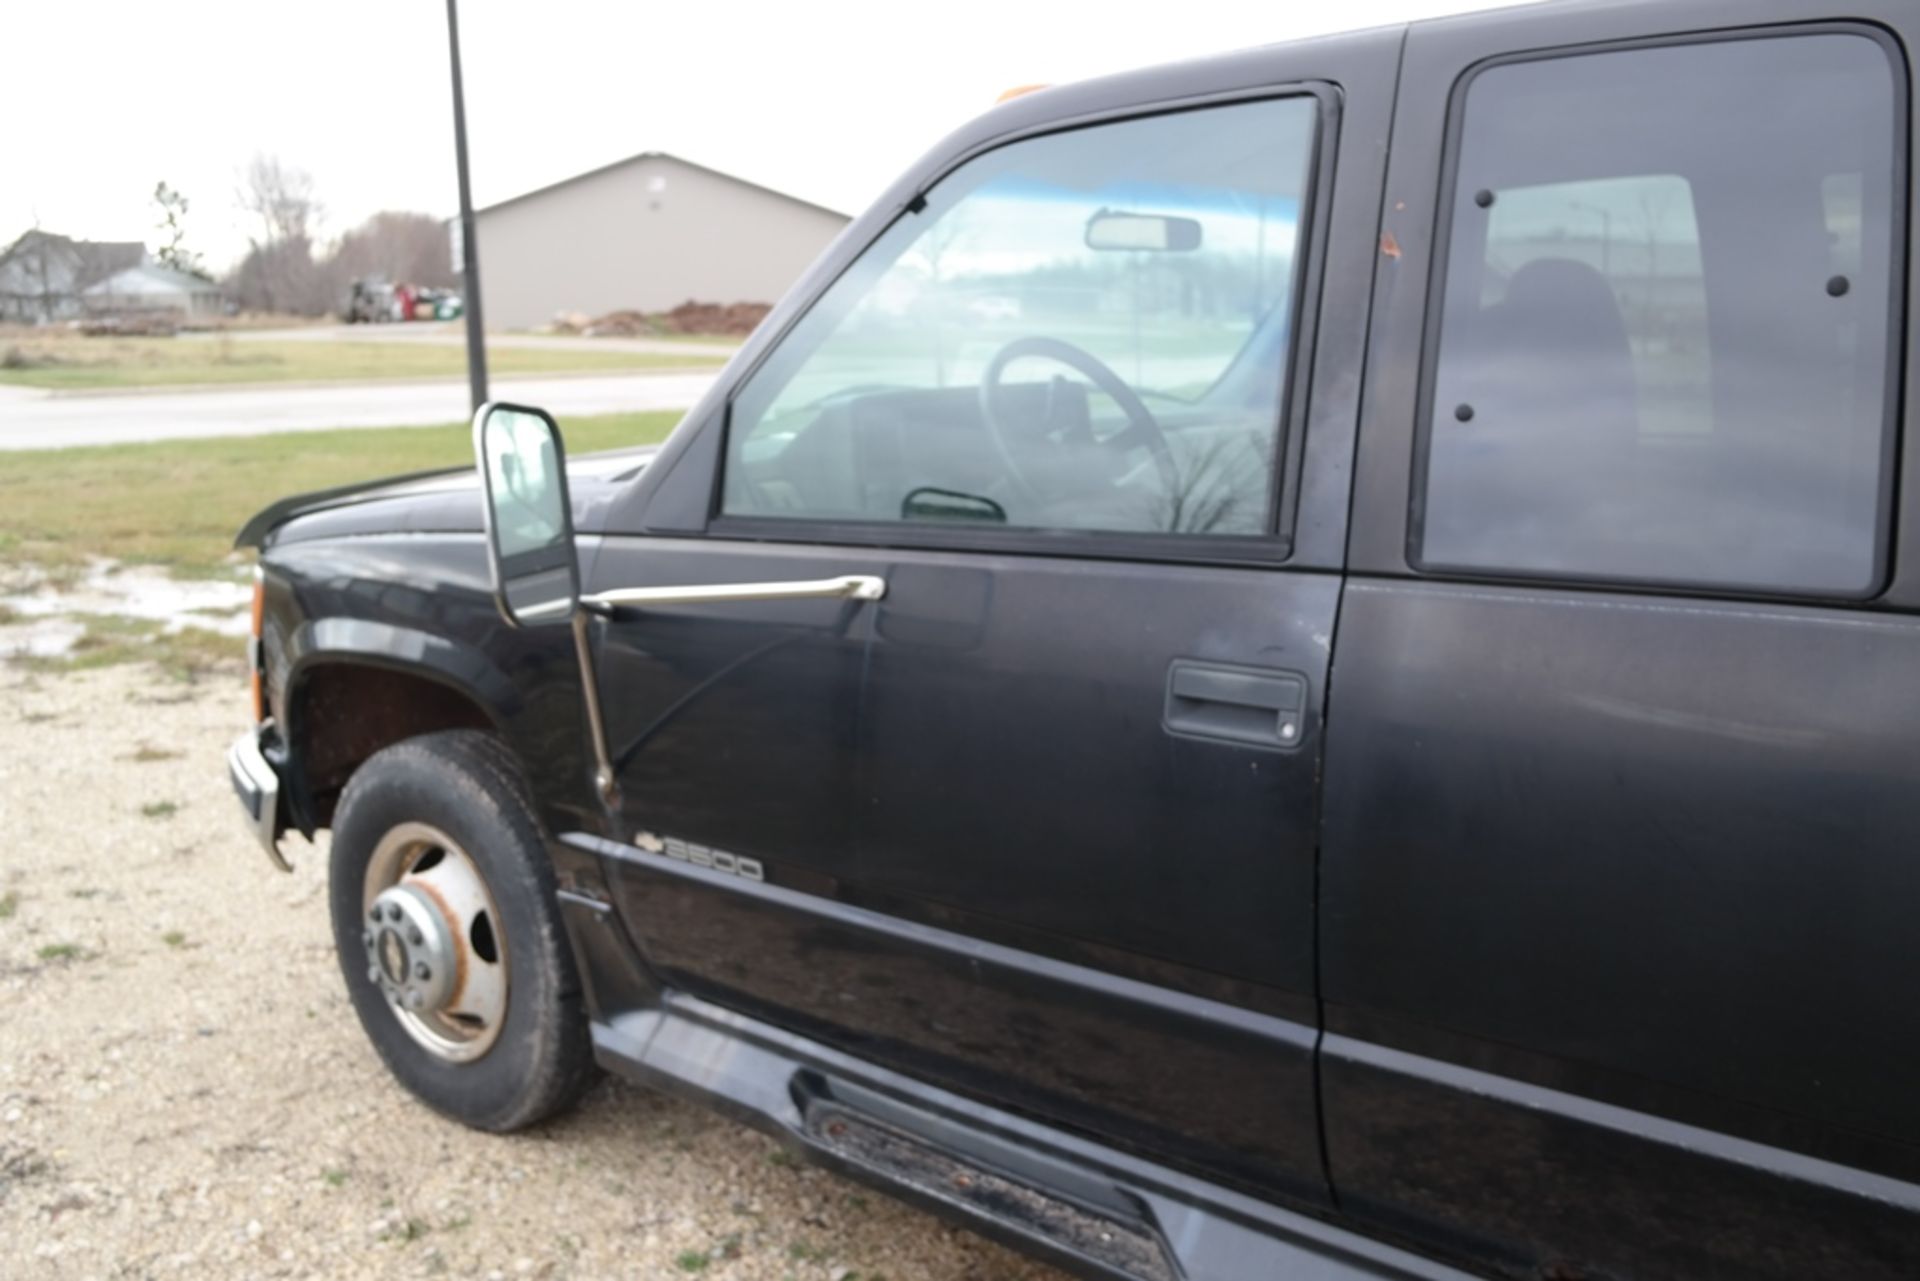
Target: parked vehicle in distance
{"points": [[375, 300], [1361, 720]]}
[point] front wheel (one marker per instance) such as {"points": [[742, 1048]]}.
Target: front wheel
{"points": [[449, 936]]}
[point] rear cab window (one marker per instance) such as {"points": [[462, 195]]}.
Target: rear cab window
{"points": [[1665, 329]]}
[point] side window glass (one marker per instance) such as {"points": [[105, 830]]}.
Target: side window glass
{"points": [[1663, 347], [1087, 330], [1648, 252]]}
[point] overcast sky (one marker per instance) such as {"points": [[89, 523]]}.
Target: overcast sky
{"points": [[826, 100]]}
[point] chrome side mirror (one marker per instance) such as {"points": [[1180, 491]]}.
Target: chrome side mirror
{"points": [[536, 571], [523, 474]]}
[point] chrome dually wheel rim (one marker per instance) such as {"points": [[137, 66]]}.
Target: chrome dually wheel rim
{"points": [[434, 946]]}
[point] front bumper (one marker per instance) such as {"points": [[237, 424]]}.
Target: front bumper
{"points": [[258, 786]]}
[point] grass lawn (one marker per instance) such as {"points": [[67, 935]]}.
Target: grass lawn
{"points": [[179, 503], [73, 361], [709, 340]]}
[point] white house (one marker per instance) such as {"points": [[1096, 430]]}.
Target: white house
{"points": [[43, 275], [151, 289]]}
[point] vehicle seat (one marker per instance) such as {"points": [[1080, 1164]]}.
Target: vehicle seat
{"points": [[1558, 360], [1545, 460]]}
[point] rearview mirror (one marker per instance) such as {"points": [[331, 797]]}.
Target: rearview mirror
{"points": [[523, 474], [1161, 233]]}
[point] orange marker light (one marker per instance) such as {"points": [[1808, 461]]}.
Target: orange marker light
{"points": [[254, 655], [1016, 92]]}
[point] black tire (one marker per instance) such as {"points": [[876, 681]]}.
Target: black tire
{"points": [[469, 786]]}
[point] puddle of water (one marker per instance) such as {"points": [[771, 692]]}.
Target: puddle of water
{"points": [[52, 619]]}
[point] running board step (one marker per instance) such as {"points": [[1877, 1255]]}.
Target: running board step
{"points": [[1132, 1248], [1090, 1208]]}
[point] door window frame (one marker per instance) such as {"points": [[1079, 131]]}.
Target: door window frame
{"points": [[1446, 202], [1273, 546]]}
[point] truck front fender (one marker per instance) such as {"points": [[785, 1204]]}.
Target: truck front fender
{"points": [[405, 649], [354, 686]]}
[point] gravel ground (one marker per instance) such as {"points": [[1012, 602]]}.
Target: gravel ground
{"points": [[184, 1090]]}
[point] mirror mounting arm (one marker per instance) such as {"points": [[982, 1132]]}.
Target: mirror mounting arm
{"points": [[846, 587], [610, 605], [605, 781]]}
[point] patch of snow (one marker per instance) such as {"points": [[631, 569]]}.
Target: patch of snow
{"points": [[21, 578], [42, 638], [137, 591]]}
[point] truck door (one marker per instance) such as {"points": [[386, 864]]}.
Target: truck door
{"points": [[1039, 825], [1622, 808]]}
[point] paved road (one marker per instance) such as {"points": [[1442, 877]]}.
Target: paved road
{"points": [[449, 333], [31, 419]]}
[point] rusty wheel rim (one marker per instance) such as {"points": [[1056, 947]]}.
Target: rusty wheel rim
{"points": [[435, 949]]}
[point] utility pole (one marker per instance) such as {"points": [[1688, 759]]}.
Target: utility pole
{"points": [[469, 243]]}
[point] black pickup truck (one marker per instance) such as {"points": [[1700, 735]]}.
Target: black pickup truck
{"points": [[1303, 664]]}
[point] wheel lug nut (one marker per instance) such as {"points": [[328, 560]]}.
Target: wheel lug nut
{"points": [[415, 1000], [421, 972], [415, 937], [373, 974]]}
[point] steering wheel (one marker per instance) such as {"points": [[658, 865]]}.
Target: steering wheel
{"points": [[1142, 428]]}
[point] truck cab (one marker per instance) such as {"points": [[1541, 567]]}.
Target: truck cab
{"points": [[1302, 663]]}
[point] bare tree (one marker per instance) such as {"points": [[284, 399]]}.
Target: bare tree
{"points": [[278, 277], [279, 273], [173, 228], [410, 247], [282, 197], [1656, 203], [1207, 493], [931, 250], [47, 276]]}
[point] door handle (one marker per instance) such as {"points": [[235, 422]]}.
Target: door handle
{"points": [[846, 587], [1256, 706]]}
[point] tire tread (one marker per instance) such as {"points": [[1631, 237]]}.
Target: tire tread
{"points": [[560, 1066]]}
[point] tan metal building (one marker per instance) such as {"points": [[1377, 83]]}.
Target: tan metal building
{"points": [[646, 233]]}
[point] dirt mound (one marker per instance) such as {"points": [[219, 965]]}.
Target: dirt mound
{"points": [[732, 319], [711, 318], [621, 324]]}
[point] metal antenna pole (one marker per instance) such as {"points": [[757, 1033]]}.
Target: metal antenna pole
{"points": [[469, 243]]}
